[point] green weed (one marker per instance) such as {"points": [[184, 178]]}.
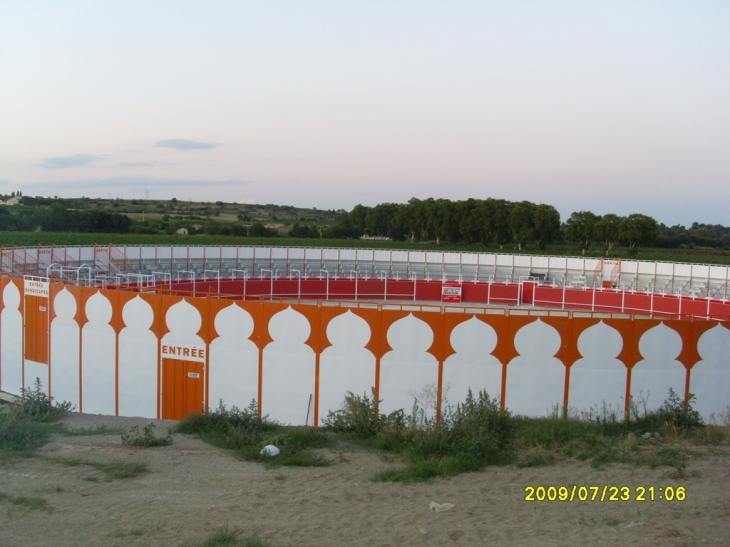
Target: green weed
{"points": [[146, 438], [35, 405], [35, 503], [229, 538], [244, 432]]}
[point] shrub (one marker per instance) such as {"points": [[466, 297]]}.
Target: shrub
{"points": [[246, 433], [35, 405], [146, 438], [358, 415]]}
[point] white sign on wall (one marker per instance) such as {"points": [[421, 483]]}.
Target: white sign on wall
{"points": [[36, 288], [183, 352]]}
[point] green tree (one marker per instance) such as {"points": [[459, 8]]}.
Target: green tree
{"points": [[546, 220], [637, 230], [581, 228], [522, 222], [607, 229]]}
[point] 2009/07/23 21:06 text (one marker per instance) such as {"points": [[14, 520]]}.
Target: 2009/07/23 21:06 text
{"points": [[605, 493]]}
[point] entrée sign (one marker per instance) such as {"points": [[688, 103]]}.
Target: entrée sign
{"points": [[36, 288], [183, 352]]}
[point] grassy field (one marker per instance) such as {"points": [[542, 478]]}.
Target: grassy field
{"points": [[30, 239]]}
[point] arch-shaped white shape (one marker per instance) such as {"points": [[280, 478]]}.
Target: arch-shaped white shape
{"points": [[234, 359], [138, 361], [288, 370], [472, 366], [98, 351], [598, 380], [408, 369], [535, 379], [346, 365], [652, 377], [11, 341], [65, 333], [183, 319], [710, 378]]}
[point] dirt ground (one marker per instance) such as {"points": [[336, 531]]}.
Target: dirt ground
{"points": [[193, 490]]}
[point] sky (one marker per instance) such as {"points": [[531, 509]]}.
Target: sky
{"points": [[606, 106]]}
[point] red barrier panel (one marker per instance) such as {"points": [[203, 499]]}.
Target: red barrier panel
{"points": [[503, 294], [608, 301], [474, 292]]}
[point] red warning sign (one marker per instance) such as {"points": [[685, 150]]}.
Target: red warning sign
{"points": [[451, 291]]}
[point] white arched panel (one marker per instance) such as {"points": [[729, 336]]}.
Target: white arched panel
{"points": [[408, 371], [288, 370], [11, 341], [535, 379], [472, 366], [98, 353], [652, 377], [138, 361], [65, 333], [346, 365], [710, 378], [234, 359], [598, 380]]}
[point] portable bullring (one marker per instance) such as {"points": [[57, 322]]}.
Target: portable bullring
{"points": [[160, 331]]}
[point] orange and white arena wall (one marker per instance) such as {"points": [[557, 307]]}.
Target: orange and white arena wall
{"points": [[161, 331]]}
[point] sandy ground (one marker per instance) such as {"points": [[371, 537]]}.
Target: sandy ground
{"points": [[193, 489]]}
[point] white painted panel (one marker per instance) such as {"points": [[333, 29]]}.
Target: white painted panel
{"points": [[522, 261], [400, 256], [279, 252], [417, 257], [718, 274], [65, 360], [630, 268], [98, 351], [472, 366], [196, 253], [346, 365], [245, 252], [228, 252], [470, 258], [148, 253], [407, 370], [288, 369], [487, 259], [180, 253], [652, 377], [33, 371], [505, 260], [557, 263], [542, 262], [664, 268], [347, 254], [296, 253], [234, 359], [365, 255], [330, 254], [137, 361], [535, 379], [452, 258], [710, 378], [683, 270], [646, 268], [598, 380], [81, 253], [11, 341], [381, 256], [576, 264]]}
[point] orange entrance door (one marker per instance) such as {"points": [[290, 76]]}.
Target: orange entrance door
{"points": [[182, 388], [36, 329]]}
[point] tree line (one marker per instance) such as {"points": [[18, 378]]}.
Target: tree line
{"points": [[494, 222]]}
